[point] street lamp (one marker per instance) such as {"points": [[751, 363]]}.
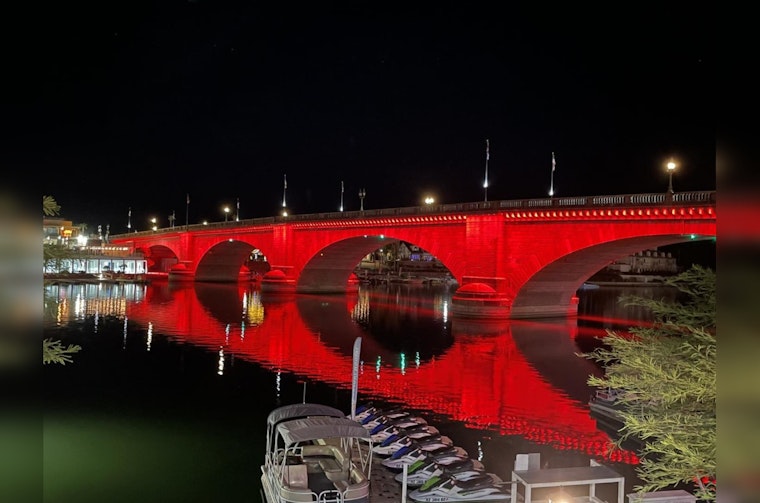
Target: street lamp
{"points": [[429, 200], [362, 195], [153, 221], [226, 212], [671, 169]]}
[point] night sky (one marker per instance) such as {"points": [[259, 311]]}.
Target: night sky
{"points": [[136, 104]]}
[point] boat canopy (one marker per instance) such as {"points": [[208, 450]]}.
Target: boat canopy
{"points": [[315, 428], [302, 410]]}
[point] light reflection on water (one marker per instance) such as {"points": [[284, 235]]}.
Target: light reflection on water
{"points": [[219, 357]]}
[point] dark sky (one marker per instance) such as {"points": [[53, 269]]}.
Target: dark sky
{"points": [[136, 104]]}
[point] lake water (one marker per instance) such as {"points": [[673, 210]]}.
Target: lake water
{"points": [[168, 398]]}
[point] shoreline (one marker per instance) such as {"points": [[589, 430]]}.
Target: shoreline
{"points": [[90, 279], [627, 283]]}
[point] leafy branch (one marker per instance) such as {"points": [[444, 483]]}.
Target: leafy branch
{"points": [[54, 352]]}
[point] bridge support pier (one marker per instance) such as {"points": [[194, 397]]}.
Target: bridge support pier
{"points": [[277, 281], [546, 311], [480, 301]]}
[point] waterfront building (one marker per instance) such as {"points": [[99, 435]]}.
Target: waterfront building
{"points": [[646, 262], [79, 254]]}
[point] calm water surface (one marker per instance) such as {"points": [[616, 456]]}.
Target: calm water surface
{"points": [[167, 401]]}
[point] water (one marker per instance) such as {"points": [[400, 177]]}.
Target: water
{"points": [[168, 398]]}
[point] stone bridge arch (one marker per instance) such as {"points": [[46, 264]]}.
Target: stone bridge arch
{"points": [[556, 283], [329, 269], [224, 261], [159, 257]]}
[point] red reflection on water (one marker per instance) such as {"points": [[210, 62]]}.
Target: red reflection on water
{"points": [[499, 391]]}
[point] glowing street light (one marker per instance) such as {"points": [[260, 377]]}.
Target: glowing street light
{"points": [[226, 212], [153, 221], [429, 200], [341, 195], [671, 168]]}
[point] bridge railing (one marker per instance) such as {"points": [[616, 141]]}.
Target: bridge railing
{"points": [[676, 199]]}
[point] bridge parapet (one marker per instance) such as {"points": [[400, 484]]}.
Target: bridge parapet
{"points": [[622, 200]]}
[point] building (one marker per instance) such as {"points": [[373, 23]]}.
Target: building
{"points": [[76, 253], [60, 231], [646, 262]]}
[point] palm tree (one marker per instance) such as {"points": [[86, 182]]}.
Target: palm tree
{"points": [[50, 207]]}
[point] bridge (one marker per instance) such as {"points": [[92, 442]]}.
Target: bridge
{"points": [[512, 259]]}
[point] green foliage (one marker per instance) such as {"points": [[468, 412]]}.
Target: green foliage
{"points": [[54, 254], [54, 352], [668, 374], [49, 206]]}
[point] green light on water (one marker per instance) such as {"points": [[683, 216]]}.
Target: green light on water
{"points": [[693, 236]]}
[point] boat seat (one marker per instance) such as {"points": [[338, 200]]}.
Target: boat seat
{"points": [[329, 465], [477, 482], [296, 476], [331, 459]]}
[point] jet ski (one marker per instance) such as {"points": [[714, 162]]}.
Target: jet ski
{"points": [[485, 487], [414, 431], [459, 468], [364, 410], [427, 443], [385, 429], [410, 454], [381, 416]]}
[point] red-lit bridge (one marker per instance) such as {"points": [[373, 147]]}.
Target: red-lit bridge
{"points": [[515, 258]]}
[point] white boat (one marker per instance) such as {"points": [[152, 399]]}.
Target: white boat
{"points": [[606, 404], [485, 487], [430, 442], [411, 454], [460, 468], [315, 453]]}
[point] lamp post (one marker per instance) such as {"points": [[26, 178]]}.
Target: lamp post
{"points": [[429, 200], [485, 182], [341, 195], [226, 212], [671, 168], [362, 195], [153, 222]]}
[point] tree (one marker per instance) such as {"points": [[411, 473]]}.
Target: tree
{"points": [[49, 206], [667, 372]]}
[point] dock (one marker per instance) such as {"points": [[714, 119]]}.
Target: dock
{"points": [[383, 486]]}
